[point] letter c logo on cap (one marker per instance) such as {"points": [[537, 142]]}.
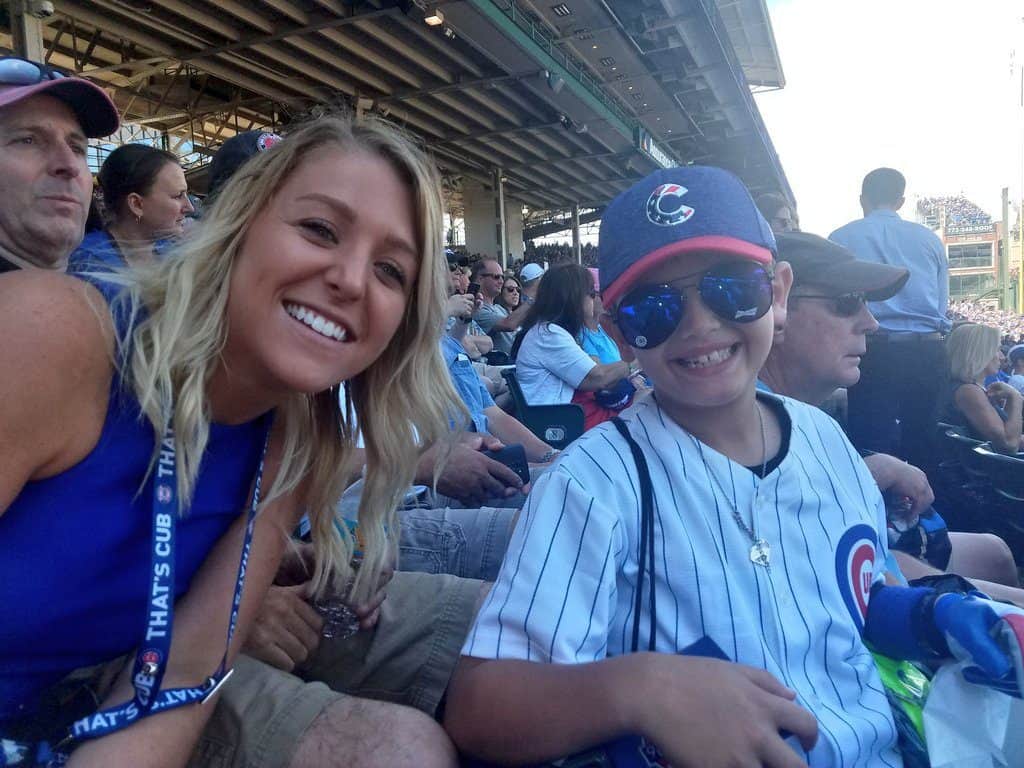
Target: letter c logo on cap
{"points": [[665, 206]]}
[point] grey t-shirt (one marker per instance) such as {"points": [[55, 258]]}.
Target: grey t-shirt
{"points": [[486, 317]]}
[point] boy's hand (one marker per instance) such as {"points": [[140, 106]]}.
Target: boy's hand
{"points": [[711, 713]]}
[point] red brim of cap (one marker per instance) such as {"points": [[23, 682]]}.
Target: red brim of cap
{"points": [[95, 111], [716, 243]]}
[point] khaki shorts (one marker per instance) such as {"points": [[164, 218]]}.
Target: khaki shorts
{"points": [[408, 658]]}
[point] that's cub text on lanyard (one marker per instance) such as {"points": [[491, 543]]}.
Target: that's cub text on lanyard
{"points": [[154, 650]]}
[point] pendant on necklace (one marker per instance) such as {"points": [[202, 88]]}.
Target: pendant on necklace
{"points": [[760, 553]]}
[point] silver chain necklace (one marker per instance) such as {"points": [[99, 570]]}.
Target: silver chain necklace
{"points": [[760, 550]]}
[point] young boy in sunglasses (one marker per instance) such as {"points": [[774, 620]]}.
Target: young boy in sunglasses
{"points": [[762, 535]]}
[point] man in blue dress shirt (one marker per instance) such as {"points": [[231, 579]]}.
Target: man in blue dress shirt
{"points": [[902, 371]]}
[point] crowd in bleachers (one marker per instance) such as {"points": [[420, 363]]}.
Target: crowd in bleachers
{"points": [[283, 483], [957, 209], [1009, 323], [560, 253]]}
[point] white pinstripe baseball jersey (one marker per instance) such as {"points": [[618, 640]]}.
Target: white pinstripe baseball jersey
{"points": [[567, 586]]}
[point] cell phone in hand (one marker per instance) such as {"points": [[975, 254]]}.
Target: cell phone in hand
{"points": [[473, 289], [513, 457]]}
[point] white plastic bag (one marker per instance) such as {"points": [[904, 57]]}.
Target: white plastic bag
{"points": [[971, 726]]}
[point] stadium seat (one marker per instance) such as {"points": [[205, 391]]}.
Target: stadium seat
{"points": [[1005, 472], [963, 448], [494, 357], [556, 425]]}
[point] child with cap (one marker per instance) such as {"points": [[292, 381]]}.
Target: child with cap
{"points": [[737, 535]]}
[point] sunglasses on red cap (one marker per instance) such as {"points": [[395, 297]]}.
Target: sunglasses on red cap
{"points": [[15, 70], [736, 291]]}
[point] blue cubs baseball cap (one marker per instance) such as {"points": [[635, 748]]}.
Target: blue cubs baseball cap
{"points": [[673, 211]]}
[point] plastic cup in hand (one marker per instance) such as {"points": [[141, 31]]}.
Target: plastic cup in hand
{"points": [[340, 621]]}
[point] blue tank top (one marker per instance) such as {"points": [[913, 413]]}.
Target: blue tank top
{"points": [[75, 549]]}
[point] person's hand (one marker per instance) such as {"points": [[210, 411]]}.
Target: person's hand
{"points": [[483, 343], [473, 478], [368, 611], [711, 713], [1002, 393], [460, 305], [898, 478], [287, 629]]}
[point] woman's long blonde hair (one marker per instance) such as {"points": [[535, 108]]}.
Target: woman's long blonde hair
{"points": [[970, 348], [180, 312]]}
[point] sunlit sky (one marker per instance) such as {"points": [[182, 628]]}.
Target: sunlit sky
{"points": [[924, 86]]}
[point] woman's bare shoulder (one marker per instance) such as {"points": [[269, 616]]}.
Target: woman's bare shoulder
{"points": [[57, 363]]}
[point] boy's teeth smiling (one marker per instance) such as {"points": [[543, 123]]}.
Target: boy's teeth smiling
{"points": [[711, 358], [315, 321]]}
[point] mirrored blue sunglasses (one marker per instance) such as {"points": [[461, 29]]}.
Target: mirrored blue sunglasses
{"points": [[736, 291]]}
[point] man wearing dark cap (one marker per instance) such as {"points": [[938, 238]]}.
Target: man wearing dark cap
{"points": [[46, 120], [905, 356], [830, 288], [820, 349], [234, 153]]}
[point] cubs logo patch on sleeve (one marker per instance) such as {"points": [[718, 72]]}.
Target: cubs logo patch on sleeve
{"points": [[855, 569]]}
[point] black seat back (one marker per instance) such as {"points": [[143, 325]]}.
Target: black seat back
{"points": [[556, 425], [1006, 472]]}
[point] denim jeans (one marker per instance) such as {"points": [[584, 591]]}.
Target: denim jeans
{"points": [[441, 538], [470, 543]]}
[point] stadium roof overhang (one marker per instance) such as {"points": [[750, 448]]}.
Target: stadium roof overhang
{"points": [[572, 101]]}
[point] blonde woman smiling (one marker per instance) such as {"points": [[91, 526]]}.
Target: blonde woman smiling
{"points": [[155, 456]]}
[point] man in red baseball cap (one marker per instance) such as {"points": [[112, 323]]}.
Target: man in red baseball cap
{"points": [[46, 119]]}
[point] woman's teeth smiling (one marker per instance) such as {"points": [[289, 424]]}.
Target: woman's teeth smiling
{"points": [[711, 358], [317, 322]]}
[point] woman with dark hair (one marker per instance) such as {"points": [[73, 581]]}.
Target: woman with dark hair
{"points": [[145, 200], [511, 293], [550, 363]]}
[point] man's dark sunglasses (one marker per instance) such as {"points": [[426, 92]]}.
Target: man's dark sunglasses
{"points": [[736, 291], [15, 70], [843, 305]]}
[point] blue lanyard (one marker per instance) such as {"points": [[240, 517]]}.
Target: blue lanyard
{"points": [[154, 650]]}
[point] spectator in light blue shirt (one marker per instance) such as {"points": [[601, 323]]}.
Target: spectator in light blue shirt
{"points": [[893, 407], [467, 383], [883, 237]]}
